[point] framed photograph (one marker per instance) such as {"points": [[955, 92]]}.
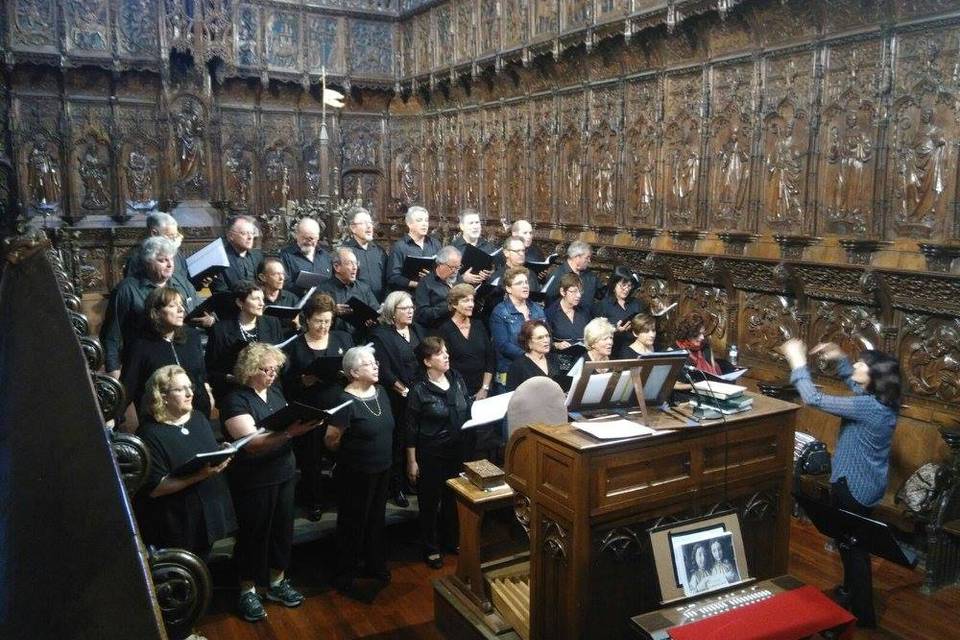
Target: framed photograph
{"points": [[699, 556]]}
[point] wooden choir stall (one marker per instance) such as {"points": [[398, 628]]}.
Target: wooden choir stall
{"points": [[585, 565]]}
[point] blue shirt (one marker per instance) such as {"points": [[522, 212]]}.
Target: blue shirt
{"points": [[505, 323], [862, 455]]}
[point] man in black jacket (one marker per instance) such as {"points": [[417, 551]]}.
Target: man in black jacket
{"points": [[371, 259], [345, 285], [305, 254], [578, 259], [415, 243], [430, 297], [244, 260]]}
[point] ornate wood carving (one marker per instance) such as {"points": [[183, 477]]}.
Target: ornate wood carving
{"points": [[515, 164], [729, 146], [543, 158], [492, 159], [929, 356], [603, 179], [642, 106], [570, 165], [681, 158]]}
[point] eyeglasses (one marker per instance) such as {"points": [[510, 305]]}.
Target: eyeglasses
{"points": [[186, 389], [246, 234], [270, 371], [405, 308]]}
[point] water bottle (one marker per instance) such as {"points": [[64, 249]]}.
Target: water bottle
{"points": [[732, 355]]}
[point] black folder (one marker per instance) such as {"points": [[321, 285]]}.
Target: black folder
{"points": [[325, 367], [212, 458], [362, 312], [477, 259], [539, 266], [223, 304], [285, 312], [413, 265], [295, 411]]}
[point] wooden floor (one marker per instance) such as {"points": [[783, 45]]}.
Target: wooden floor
{"points": [[404, 609]]}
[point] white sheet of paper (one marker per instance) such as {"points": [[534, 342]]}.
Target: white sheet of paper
{"points": [[488, 410], [614, 429], [733, 376], [212, 255]]}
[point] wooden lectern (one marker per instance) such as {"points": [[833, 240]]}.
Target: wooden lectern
{"points": [[587, 505]]}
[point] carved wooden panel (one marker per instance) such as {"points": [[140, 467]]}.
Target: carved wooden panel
{"points": [[854, 328], [492, 161], [729, 145], [407, 163], [712, 303], [432, 146], [470, 131], [489, 26], [39, 156], [610, 9], [922, 162], [603, 172], [239, 165], [570, 163], [466, 31], [88, 27], [324, 48], [929, 356], [281, 166], [408, 49], [848, 139], [543, 158], [515, 22], [188, 153], [368, 55], [424, 42], [640, 148], [90, 162], [766, 321], [681, 158], [788, 95], [575, 14], [452, 169], [515, 162], [281, 40], [544, 18], [33, 24], [443, 32], [248, 36], [137, 35]]}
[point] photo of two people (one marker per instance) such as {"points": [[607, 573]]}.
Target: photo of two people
{"points": [[705, 561]]}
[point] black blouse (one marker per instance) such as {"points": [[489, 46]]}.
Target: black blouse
{"points": [[524, 368], [285, 298], [395, 355], [472, 356], [249, 471], [561, 327], [150, 352], [627, 353], [367, 443], [610, 309], [197, 516], [227, 341], [435, 416], [300, 356]]}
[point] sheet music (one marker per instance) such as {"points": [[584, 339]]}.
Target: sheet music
{"points": [[593, 394], [488, 410], [614, 429], [733, 376], [212, 255]]}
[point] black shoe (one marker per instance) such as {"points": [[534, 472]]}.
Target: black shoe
{"points": [[382, 576], [250, 607], [285, 594], [400, 499], [344, 584], [434, 561], [841, 596]]}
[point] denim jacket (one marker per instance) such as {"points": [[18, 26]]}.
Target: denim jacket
{"points": [[505, 323]]}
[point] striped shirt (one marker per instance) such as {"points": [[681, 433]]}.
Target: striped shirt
{"points": [[862, 454]]}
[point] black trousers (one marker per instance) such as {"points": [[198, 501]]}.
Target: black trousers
{"points": [[308, 450], [398, 469], [438, 507], [361, 514], [265, 530], [857, 573]]}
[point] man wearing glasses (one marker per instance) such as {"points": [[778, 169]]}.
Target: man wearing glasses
{"points": [[514, 255], [305, 254], [371, 259], [244, 259], [430, 296]]}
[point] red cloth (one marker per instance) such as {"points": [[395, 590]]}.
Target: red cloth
{"points": [[695, 347], [790, 615]]}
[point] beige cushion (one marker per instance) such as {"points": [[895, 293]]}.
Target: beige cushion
{"points": [[536, 400]]}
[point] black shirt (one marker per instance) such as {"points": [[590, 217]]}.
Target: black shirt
{"points": [[430, 299], [284, 299], [610, 309], [627, 353], [241, 268], [472, 356], [435, 415], [522, 369], [249, 471], [227, 341], [193, 518], [367, 443], [300, 356], [395, 355], [589, 279], [150, 352], [402, 248], [562, 328], [341, 292], [371, 266], [294, 262]]}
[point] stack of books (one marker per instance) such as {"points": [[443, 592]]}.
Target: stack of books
{"points": [[723, 398]]}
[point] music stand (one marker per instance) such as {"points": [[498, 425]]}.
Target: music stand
{"points": [[852, 530], [630, 383]]}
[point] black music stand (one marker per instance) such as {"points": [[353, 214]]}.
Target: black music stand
{"points": [[851, 530], [629, 383]]}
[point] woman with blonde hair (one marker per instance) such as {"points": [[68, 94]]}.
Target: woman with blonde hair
{"points": [[598, 336], [262, 480], [188, 512]]}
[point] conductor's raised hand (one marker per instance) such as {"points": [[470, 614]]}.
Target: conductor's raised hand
{"points": [[795, 351], [828, 351]]}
